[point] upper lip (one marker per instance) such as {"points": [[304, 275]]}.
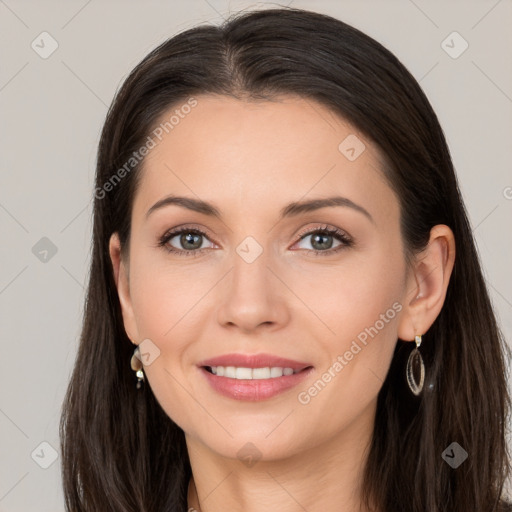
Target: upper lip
{"points": [[254, 361]]}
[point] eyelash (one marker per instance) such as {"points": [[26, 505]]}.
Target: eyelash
{"points": [[336, 233]]}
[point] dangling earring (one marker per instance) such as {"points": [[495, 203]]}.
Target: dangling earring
{"points": [[136, 365], [414, 366]]}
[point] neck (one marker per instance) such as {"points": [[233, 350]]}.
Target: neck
{"points": [[323, 477]]}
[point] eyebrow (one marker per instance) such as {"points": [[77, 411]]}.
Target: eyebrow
{"points": [[290, 210]]}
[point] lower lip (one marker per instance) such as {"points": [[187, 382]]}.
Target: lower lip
{"points": [[254, 389]]}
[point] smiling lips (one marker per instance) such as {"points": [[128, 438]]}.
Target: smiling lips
{"points": [[253, 377], [254, 361]]}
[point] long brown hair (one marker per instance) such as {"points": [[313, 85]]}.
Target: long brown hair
{"points": [[120, 451]]}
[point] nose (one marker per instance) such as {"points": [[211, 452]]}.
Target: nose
{"points": [[252, 295]]}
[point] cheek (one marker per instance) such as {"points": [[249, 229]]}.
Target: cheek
{"points": [[351, 295], [166, 304], [165, 295], [356, 307], [362, 310]]}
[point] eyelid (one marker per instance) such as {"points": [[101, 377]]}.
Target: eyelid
{"points": [[323, 228], [185, 227]]}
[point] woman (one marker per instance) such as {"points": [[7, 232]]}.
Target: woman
{"points": [[285, 309]]}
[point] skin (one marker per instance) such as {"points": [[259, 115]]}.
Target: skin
{"points": [[250, 159]]}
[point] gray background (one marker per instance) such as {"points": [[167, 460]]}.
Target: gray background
{"points": [[52, 111]]}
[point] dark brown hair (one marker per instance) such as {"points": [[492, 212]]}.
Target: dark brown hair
{"points": [[120, 451]]}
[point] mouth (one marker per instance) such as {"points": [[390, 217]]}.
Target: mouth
{"points": [[245, 373], [253, 377], [253, 384]]}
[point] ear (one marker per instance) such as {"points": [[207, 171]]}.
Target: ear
{"points": [[427, 283], [121, 278]]}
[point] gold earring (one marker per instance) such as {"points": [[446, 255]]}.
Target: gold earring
{"points": [[136, 364], [414, 367]]}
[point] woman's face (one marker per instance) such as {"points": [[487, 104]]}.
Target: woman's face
{"points": [[260, 281]]}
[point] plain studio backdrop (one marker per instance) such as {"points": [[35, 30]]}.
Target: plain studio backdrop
{"points": [[54, 97]]}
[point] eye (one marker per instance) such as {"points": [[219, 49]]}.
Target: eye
{"points": [[322, 240], [190, 239]]}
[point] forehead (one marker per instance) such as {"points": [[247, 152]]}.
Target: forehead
{"points": [[256, 154]]}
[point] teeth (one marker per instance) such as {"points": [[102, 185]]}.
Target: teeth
{"points": [[233, 372]]}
